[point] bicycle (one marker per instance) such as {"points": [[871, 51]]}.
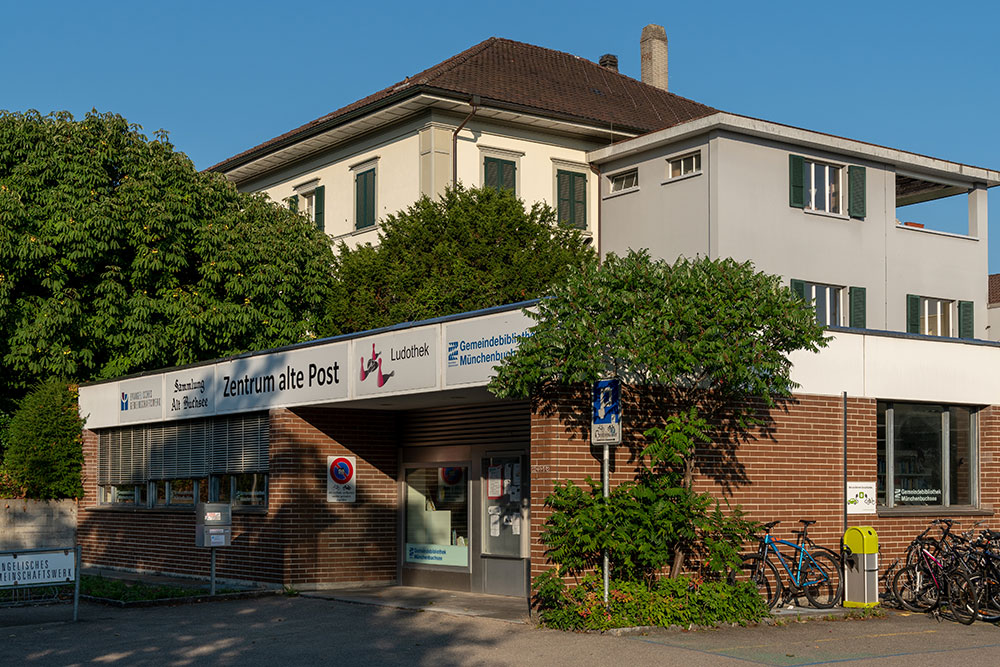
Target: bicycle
{"points": [[931, 578], [814, 571]]}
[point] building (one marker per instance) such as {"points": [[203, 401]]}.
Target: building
{"points": [[379, 457]]}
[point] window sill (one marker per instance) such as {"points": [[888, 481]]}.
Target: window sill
{"points": [[627, 191], [920, 510], [175, 509], [681, 178], [824, 214]]}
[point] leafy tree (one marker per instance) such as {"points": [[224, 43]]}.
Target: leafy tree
{"points": [[703, 345], [471, 249], [116, 255], [44, 458]]}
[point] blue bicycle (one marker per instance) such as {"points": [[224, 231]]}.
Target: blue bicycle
{"points": [[813, 571]]}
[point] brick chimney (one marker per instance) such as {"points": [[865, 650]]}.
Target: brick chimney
{"points": [[653, 55], [609, 61]]}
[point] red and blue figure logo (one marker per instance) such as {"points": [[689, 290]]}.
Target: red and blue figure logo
{"points": [[124, 401], [341, 470], [451, 476]]}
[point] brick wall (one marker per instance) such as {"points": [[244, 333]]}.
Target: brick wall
{"points": [[795, 472], [300, 539]]}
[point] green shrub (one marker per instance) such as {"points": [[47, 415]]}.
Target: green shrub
{"points": [[44, 455], [681, 601]]}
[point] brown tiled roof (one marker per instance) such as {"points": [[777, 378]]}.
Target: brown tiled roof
{"points": [[994, 289], [511, 73]]}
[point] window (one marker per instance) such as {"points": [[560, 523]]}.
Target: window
{"points": [[309, 199], [437, 516], [182, 463], [499, 174], [571, 192], [936, 317], [364, 199], [626, 180], [685, 165], [926, 455], [822, 186], [828, 303]]}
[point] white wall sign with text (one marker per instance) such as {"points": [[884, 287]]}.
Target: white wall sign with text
{"points": [[861, 498]]}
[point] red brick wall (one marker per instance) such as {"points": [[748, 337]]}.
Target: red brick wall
{"points": [[795, 472], [300, 539]]}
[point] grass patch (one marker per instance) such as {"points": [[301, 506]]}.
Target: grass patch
{"points": [[136, 591]]}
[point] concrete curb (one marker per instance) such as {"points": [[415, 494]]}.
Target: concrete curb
{"points": [[128, 604]]}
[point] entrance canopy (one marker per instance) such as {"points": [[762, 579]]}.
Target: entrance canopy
{"points": [[377, 368]]}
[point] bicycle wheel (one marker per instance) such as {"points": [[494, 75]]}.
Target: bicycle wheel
{"points": [[762, 574], [989, 596], [824, 570], [914, 589], [963, 597]]}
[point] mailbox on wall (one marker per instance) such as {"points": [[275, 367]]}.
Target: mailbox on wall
{"points": [[213, 525]]}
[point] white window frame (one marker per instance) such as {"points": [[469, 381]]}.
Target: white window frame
{"points": [[812, 190], [939, 306], [675, 174], [623, 175], [841, 295], [306, 193]]}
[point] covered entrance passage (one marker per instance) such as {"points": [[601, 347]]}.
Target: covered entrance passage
{"points": [[464, 499]]}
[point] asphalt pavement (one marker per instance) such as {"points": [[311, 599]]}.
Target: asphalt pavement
{"points": [[287, 631]]}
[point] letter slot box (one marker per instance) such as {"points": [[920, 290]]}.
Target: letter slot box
{"points": [[213, 525]]}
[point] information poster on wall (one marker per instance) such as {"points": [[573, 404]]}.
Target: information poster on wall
{"points": [[494, 482], [861, 497]]}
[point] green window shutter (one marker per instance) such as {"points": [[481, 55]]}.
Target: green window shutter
{"points": [[856, 297], [365, 199], [319, 206], [912, 313], [507, 179], [796, 181], [491, 173], [856, 198], [499, 173], [293, 203], [564, 204], [571, 195], [966, 319], [799, 288], [580, 201]]}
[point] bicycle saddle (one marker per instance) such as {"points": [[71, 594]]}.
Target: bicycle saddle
{"points": [[807, 522]]}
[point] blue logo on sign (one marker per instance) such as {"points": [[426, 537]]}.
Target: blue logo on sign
{"points": [[453, 353], [124, 401], [607, 407]]}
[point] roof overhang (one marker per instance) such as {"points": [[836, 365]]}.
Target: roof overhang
{"points": [[329, 133], [919, 177]]}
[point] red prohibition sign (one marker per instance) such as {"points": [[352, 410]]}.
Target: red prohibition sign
{"points": [[341, 470]]}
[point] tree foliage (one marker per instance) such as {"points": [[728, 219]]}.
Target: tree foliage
{"points": [[116, 255], [704, 345], [471, 249], [43, 458]]}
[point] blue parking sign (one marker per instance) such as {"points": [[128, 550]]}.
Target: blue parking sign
{"points": [[606, 418]]}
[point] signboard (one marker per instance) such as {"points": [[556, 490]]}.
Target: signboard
{"points": [[141, 399], [189, 393], [606, 419], [341, 480], [861, 498], [473, 347], [437, 554], [309, 375], [395, 363], [37, 568]]}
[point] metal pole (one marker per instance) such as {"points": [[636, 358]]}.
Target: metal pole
{"points": [[213, 571], [76, 588], [844, 495], [605, 483]]}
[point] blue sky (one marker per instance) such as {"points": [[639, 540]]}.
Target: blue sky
{"points": [[223, 76]]}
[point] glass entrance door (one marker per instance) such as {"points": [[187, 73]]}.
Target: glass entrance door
{"points": [[504, 523]]}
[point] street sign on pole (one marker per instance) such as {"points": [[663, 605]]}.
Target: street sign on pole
{"points": [[606, 418]]}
